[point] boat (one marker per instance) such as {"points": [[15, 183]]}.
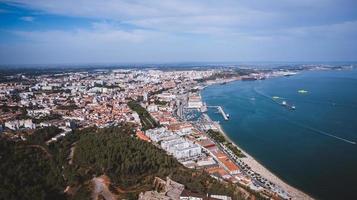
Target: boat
{"points": [[285, 104], [302, 91], [227, 115]]}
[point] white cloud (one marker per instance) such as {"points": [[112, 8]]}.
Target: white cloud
{"points": [[99, 33], [27, 18], [214, 17], [173, 30]]}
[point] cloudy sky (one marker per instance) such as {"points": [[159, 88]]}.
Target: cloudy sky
{"points": [[133, 31]]}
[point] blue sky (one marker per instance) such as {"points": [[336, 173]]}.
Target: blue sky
{"points": [[133, 31]]}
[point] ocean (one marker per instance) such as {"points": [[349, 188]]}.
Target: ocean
{"points": [[312, 147]]}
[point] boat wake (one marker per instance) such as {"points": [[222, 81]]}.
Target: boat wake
{"points": [[331, 103], [322, 132], [261, 93]]}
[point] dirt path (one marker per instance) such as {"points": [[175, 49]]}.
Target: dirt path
{"points": [[39, 147], [70, 157], [101, 188]]}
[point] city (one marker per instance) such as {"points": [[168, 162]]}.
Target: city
{"points": [[178, 100], [159, 103]]}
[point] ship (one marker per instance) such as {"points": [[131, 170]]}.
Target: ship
{"points": [[302, 91], [285, 104]]}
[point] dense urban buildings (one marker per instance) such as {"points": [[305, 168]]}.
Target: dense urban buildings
{"points": [[164, 108]]}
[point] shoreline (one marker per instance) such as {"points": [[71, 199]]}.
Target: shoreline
{"points": [[262, 170], [256, 166]]}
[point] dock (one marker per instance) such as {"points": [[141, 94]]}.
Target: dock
{"points": [[220, 110]]}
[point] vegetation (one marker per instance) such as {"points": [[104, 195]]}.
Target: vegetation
{"points": [[68, 107], [220, 138], [145, 118], [54, 91], [5, 108], [157, 92], [47, 118], [32, 170], [228, 74], [40, 136], [162, 103], [220, 75], [28, 172], [132, 164], [23, 114]]}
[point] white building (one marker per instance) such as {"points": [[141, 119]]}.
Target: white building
{"points": [[189, 150], [17, 124], [165, 96], [173, 143], [222, 197], [152, 108], [38, 112], [158, 134], [167, 144], [145, 97], [46, 87], [181, 148], [135, 117], [194, 101]]}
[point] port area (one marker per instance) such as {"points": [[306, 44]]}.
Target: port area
{"points": [[220, 110]]}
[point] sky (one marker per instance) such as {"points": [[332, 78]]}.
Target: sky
{"points": [[161, 31]]}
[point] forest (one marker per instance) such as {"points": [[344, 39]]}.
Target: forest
{"points": [[33, 170]]}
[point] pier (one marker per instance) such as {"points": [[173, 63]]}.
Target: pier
{"points": [[220, 110]]}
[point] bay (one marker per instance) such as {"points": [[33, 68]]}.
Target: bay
{"points": [[312, 147]]}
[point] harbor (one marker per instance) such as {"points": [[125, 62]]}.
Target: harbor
{"points": [[221, 111]]}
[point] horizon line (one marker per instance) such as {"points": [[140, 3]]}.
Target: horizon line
{"points": [[76, 64]]}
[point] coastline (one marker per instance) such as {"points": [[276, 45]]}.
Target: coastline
{"points": [[262, 170]]}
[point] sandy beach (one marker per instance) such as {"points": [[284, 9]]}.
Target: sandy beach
{"points": [[259, 168]]}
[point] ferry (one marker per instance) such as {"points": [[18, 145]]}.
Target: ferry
{"points": [[285, 104], [302, 91]]}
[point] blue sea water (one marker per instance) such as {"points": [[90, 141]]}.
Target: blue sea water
{"points": [[311, 147]]}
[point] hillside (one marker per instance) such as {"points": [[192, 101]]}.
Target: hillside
{"points": [[130, 164]]}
